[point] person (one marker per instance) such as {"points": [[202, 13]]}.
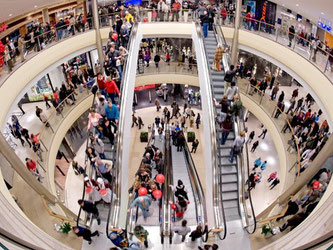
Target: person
{"points": [[180, 142], [119, 238], [236, 106], [274, 92], [93, 121], [141, 234], [237, 146], [257, 163], [97, 144], [143, 202], [218, 56], [197, 121], [157, 60], [263, 165], [274, 183], [180, 190], [134, 120], [107, 131], [112, 114], [78, 170], [231, 91], [175, 10], [263, 133], [32, 167], [227, 128], [17, 134], [103, 170], [195, 144], [293, 208], [205, 23], [140, 122], [251, 136], [101, 106], [208, 247], [157, 105], [197, 233], [291, 34], [25, 134], [111, 88], [182, 230], [272, 176], [229, 76], [46, 100], [254, 146], [180, 206], [90, 208], [162, 8], [85, 233], [279, 110]]}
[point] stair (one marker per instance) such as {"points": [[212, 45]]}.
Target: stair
{"points": [[229, 171]]}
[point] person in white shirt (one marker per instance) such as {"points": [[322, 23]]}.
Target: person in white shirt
{"points": [[231, 91], [182, 230]]}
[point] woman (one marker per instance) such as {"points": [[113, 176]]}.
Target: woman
{"points": [[107, 131], [180, 207], [197, 233], [218, 57], [180, 190], [94, 122], [91, 155]]}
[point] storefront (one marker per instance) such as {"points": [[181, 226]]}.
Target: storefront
{"points": [[36, 92]]}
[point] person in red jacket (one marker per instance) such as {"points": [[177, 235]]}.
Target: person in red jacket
{"points": [[180, 206], [248, 20], [32, 167], [111, 88], [175, 10], [101, 83]]}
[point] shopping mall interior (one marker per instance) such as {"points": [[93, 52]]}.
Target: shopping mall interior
{"points": [[166, 124]]}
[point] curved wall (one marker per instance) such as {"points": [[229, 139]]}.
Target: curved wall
{"points": [[167, 78], [318, 85]]}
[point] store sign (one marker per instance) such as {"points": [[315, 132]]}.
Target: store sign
{"points": [[3, 27], [325, 24]]}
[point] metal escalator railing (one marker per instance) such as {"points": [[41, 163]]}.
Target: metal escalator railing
{"points": [[112, 220], [245, 200], [89, 171], [219, 214], [198, 194], [169, 215]]}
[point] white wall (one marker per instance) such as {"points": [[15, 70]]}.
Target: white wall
{"points": [[57, 77]]}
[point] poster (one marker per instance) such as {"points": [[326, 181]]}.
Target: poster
{"points": [[265, 11]]}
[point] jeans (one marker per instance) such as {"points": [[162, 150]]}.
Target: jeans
{"points": [[232, 155], [205, 29], [112, 96], [99, 132], [120, 71], [102, 155], [224, 137], [144, 212]]}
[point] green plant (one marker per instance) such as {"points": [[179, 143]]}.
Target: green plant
{"points": [[144, 137], [65, 228], [190, 136], [144, 134], [266, 229]]}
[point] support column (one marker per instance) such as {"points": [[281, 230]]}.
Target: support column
{"points": [[234, 47], [99, 44], [45, 13]]}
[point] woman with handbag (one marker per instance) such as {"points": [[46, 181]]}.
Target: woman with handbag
{"points": [[237, 146]]}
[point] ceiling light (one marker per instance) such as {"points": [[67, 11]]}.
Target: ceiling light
{"points": [[322, 13], [283, 4], [10, 14], [297, 4], [35, 6]]}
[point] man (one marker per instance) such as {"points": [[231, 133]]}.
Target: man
{"points": [[229, 76], [112, 113], [143, 202], [21, 47], [263, 133], [254, 146], [101, 84], [274, 92], [115, 56], [90, 208], [157, 60], [101, 106], [175, 10], [162, 8], [97, 144], [291, 34], [134, 120], [85, 233], [103, 170], [111, 88]]}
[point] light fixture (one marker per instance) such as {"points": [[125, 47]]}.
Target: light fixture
{"points": [[322, 13], [297, 4], [35, 6], [283, 5], [10, 14]]}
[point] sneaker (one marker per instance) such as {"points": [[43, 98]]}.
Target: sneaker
{"points": [[89, 242]]}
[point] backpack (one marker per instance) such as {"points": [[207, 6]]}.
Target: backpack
{"points": [[229, 76]]}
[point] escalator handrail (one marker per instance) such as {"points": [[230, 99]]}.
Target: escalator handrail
{"points": [[217, 191], [220, 36], [85, 162], [115, 204], [198, 194]]}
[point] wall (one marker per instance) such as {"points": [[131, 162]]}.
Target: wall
{"points": [[167, 78], [57, 77]]}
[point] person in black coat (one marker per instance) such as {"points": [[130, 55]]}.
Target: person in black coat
{"points": [[197, 233], [90, 208], [85, 233]]}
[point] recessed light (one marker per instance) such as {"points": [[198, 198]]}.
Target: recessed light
{"points": [[35, 6], [283, 4], [322, 13], [297, 4], [10, 14]]}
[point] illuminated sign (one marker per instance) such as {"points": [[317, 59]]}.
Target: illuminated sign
{"points": [[3, 27], [325, 24]]}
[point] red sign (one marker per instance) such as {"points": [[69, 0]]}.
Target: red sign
{"points": [[151, 86], [3, 27]]}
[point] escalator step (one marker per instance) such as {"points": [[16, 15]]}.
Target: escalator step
{"points": [[230, 204], [229, 178], [229, 196], [228, 187]]}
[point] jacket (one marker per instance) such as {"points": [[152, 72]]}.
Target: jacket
{"points": [[111, 87], [112, 113]]}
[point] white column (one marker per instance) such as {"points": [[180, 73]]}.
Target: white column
{"points": [[234, 47]]}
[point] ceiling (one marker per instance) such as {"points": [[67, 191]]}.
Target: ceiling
{"points": [[13, 8], [311, 9]]}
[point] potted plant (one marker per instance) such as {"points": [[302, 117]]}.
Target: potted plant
{"points": [[190, 136], [65, 228], [266, 230], [144, 137]]}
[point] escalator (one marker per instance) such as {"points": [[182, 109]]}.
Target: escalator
{"points": [[183, 168], [231, 179]]}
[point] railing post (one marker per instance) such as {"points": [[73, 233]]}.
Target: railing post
{"points": [[277, 34], [261, 97], [43, 144], [274, 111]]}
